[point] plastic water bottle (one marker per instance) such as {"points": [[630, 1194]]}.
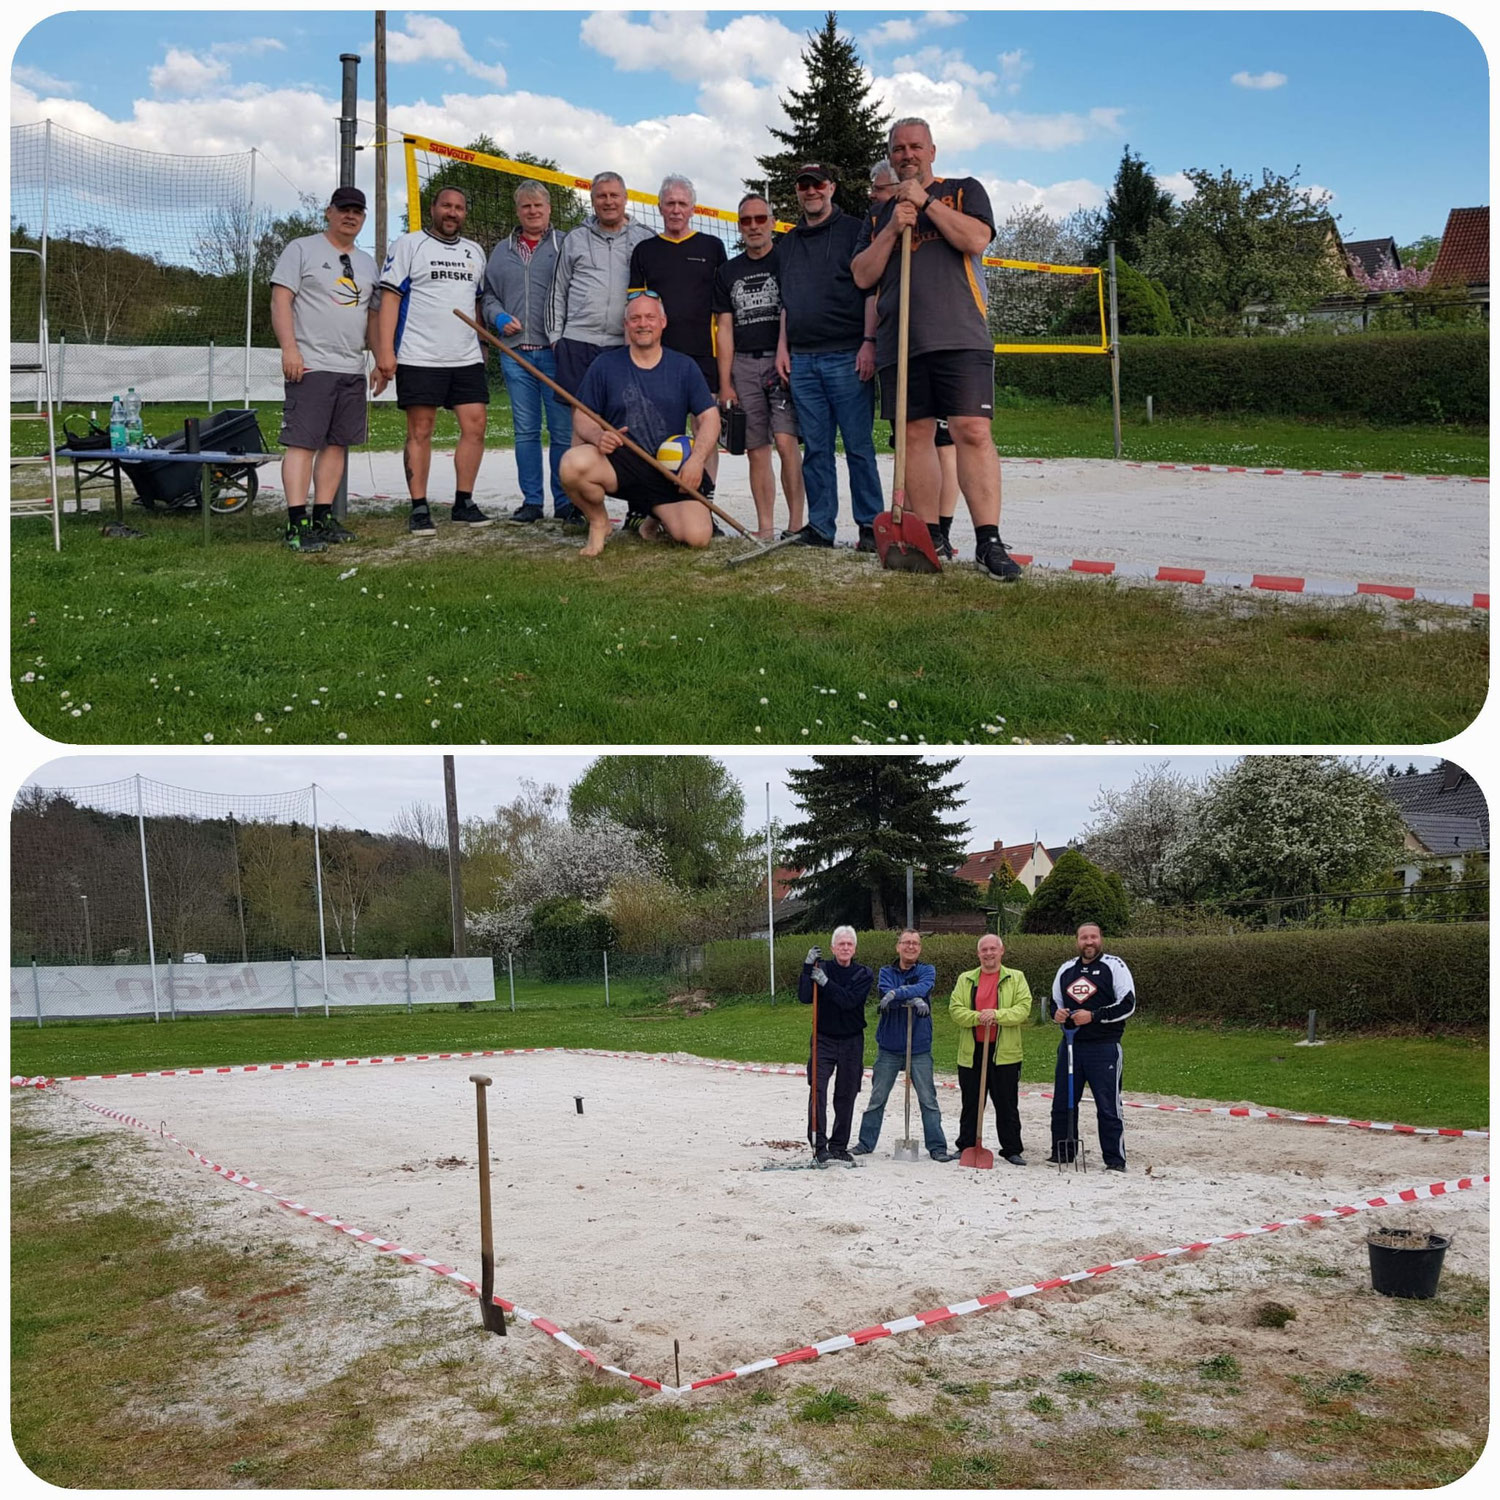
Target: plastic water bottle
{"points": [[117, 437], [134, 431]]}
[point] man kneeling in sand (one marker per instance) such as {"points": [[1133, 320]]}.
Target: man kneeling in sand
{"points": [[648, 392]]}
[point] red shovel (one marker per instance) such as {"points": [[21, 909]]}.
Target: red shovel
{"points": [[976, 1155], [901, 538]]}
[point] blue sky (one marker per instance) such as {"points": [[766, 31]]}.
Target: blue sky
{"points": [[1387, 110]]}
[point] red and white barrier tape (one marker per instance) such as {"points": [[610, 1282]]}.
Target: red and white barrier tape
{"points": [[1304, 473], [726, 1065], [853, 1340]]}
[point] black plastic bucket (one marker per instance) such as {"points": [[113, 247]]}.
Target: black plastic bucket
{"points": [[1410, 1270]]}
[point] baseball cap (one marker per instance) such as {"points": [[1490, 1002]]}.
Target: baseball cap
{"points": [[347, 197], [817, 171]]}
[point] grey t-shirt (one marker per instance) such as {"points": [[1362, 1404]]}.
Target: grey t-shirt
{"points": [[947, 288], [330, 304]]}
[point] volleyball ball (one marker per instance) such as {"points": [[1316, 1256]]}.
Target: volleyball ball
{"points": [[674, 451]]}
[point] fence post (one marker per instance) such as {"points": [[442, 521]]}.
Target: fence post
{"points": [[171, 988], [407, 957], [1312, 1031], [296, 1011], [606, 978], [1114, 346], [36, 990], [210, 377], [510, 969], [62, 368]]}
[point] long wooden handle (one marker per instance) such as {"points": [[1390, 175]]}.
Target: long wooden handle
{"points": [[984, 1074], [493, 1317], [903, 332], [594, 416]]}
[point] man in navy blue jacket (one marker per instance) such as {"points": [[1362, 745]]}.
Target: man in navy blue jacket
{"points": [[905, 987], [1093, 996], [839, 1048]]}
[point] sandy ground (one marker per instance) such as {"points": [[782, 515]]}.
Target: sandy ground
{"points": [[652, 1215], [1417, 532]]}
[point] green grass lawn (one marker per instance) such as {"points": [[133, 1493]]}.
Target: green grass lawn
{"points": [[502, 639], [1434, 1080], [1024, 428]]}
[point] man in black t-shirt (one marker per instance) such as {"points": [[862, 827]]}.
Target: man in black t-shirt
{"points": [[951, 362], [649, 393], [680, 264], [747, 307]]}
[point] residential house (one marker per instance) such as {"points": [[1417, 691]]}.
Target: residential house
{"points": [[1463, 259], [1446, 818], [1029, 863]]}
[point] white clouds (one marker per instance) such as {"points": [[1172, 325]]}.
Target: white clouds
{"points": [[428, 39], [951, 65], [903, 31], [1245, 80], [1014, 66], [40, 82], [682, 43], [1178, 184], [186, 73], [1316, 194], [1058, 199]]}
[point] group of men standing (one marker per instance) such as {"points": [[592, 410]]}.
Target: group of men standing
{"points": [[796, 333], [1093, 995]]}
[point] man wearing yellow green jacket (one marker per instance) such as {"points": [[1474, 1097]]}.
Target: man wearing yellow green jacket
{"points": [[990, 1005]]}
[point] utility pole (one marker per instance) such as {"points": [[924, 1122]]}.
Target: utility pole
{"points": [[455, 871], [348, 128], [381, 165]]}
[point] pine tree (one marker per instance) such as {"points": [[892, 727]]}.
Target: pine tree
{"points": [[1076, 891], [833, 121], [865, 819], [1134, 202]]}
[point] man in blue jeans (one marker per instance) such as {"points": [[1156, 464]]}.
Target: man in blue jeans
{"points": [[905, 987], [827, 351], [516, 301]]}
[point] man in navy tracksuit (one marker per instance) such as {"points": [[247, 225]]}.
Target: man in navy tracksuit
{"points": [[839, 1047], [1093, 996]]}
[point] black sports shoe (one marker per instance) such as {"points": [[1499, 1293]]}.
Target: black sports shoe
{"points": [[995, 562], [810, 536], [943, 1155], [526, 514], [570, 515], [860, 1150], [470, 514], [1108, 1167], [943, 547], [706, 487], [302, 536], [844, 1156], [330, 529], [419, 523], [866, 542], [823, 1157], [1017, 1160], [786, 535]]}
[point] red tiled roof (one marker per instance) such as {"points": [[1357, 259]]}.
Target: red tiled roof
{"points": [[978, 867], [784, 877], [1464, 256]]}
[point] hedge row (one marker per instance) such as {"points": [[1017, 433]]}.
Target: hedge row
{"points": [[1406, 975], [1379, 378]]}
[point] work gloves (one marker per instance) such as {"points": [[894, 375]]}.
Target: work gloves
{"points": [[813, 955], [921, 1007], [888, 999], [819, 974]]}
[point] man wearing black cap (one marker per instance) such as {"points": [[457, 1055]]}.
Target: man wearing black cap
{"points": [[828, 349], [324, 296]]}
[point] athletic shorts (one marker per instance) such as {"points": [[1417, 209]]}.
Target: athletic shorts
{"points": [[441, 385], [941, 437], [325, 409], [641, 487], [764, 416], [945, 383], [573, 360]]}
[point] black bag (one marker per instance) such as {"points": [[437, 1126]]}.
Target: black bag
{"points": [[95, 440]]}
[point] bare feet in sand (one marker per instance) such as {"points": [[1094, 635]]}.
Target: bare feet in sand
{"points": [[599, 531]]}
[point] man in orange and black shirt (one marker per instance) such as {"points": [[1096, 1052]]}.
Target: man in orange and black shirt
{"points": [[951, 362]]}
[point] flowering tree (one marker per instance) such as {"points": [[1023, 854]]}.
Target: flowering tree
{"points": [[1388, 277], [562, 861], [1135, 831]]}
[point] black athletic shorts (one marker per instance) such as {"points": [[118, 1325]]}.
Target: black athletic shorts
{"points": [[325, 409], [945, 383], [441, 385], [640, 486], [573, 360]]}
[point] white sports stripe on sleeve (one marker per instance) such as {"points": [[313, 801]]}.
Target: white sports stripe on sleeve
{"points": [[1124, 992]]}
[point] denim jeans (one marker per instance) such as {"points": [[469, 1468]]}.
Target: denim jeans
{"points": [[527, 398], [888, 1066], [832, 401]]}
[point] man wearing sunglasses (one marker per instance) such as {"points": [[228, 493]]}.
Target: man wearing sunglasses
{"points": [[649, 394], [747, 305], [827, 350], [324, 299]]}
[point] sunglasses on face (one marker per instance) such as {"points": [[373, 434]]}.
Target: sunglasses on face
{"points": [[755, 218]]}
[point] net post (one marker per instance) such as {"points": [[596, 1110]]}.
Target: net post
{"points": [[510, 969], [770, 898], [296, 1009], [36, 991], [1114, 345], [407, 957], [318, 881], [606, 978], [140, 823], [413, 186], [249, 275], [171, 987]]}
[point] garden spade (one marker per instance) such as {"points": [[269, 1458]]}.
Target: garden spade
{"points": [[976, 1155], [490, 1312], [901, 538], [906, 1147]]}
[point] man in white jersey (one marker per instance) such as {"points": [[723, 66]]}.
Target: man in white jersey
{"points": [[434, 358]]}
